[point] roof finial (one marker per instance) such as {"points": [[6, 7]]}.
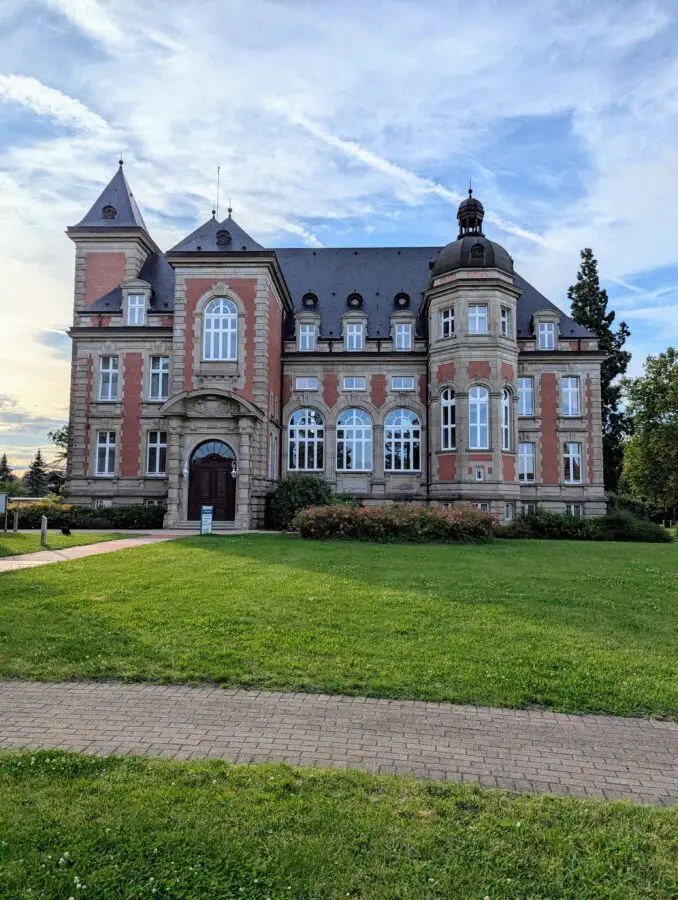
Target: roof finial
{"points": [[120, 160], [470, 188], [230, 208]]}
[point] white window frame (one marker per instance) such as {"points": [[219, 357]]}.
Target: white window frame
{"points": [[155, 444], [402, 441], [403, 336], [546, 336], [482, 506], [526, 395], [109, 378], [477, 318], [529, 509], [570, 393], [527, 462], [361, 384], [448, 420], [354, 336], [306, 441], [306, 383], [106, 441], [506, 430], [574, 509], [447, 322], [509, 512], [402, 382], [572, 458], [307, 334], [158, 378], [136, 309], [506, 329], [220, 331], [354, 441], [478, 418]]}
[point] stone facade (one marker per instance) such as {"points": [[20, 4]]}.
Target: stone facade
{"points": [[143, 379]]}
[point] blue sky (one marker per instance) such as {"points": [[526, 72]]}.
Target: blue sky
{"points": [[337, 125]]}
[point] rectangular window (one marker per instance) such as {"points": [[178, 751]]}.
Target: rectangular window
{"points": [[307, 383], [108, 377], [529, 509], [105, 453], [101, 503], [526, 396], [546, 336], [573, 509], [403, 336], [480, 473], [505, 321], [273, 455], [572, 463], [509, 512], [526, 462], [136, 309], [354, 383], [569, 391], [156, 460], [477, 318], [306, 337], [402, 383], [483, 507], [158, 388], [354, 336], [447, 322]]}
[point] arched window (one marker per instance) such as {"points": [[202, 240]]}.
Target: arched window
{"points": [[506, 419], [220, 330], [354, 441], [448, 420], [305, 441], [402, 441], [478, 418]]}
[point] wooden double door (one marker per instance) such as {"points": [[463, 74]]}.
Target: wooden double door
{"points": [[212, 481]]}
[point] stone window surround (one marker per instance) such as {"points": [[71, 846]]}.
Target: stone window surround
{"points": [[135, 286], [403, 317], [147, 427], [354, 317], [104, 425], [206, 367], [546, 316], [306, 317]]}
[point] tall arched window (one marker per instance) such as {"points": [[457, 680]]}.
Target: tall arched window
{"points": [[354, 441], [478, 418], [448, 420], [305, 441], [506, 419], [220, 331], [402, 441]]}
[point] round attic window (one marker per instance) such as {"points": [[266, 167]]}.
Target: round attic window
{"points": [[477, 251], [354, 300], [402, 299], [309, 300], [109, 212], [223, 238]]}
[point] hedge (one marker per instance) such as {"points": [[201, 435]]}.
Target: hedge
{"points": [[293, 493], [400, 522], [615, 526], [64, 515]]}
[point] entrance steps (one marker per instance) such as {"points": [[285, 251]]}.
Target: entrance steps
{"points": [[217, 527]]}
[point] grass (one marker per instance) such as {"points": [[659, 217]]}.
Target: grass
{"points": [[77, 826], [14, 544], [573, 627]]}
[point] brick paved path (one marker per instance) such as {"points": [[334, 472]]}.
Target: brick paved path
{"points": [[589, 756]]}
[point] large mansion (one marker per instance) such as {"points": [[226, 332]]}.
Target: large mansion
{"points": [[422, 374]]}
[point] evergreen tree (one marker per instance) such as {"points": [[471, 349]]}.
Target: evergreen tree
{"points": [[589, 308], [6, 473], [36, 478]]}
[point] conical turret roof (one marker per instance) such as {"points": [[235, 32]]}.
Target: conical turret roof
{"points": [[115, 207]]}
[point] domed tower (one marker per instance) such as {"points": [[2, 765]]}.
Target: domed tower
{"points": [[470, 306]]}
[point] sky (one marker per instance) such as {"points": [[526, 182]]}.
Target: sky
{"points": [[335, 124]]}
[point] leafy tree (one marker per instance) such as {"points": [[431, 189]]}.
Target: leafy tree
{"points": [[60, 437], [6, 471], [589, 308], [651, 454], [36, 478]]}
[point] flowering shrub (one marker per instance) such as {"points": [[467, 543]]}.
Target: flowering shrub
{"points": [[400, 522]]}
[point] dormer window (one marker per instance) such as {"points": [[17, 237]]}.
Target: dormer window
{"points": [[354, 336], [310, 301], [478, 252], [546, 336], [109, 212], [136, 309], [355, 301], [306, 336], [223, 238], [402, 300], [403, 336]]}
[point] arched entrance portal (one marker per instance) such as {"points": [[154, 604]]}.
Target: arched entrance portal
{"points": [[212, 481]]}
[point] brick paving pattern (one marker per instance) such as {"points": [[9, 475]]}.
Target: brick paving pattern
{"points": [[521, 750]]}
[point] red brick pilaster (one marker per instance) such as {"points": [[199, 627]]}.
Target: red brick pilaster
{"points": [[130, 437]]}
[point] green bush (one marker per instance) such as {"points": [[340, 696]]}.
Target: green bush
{"points": [[622, 526], [616, 526], [622, 503], [400, 522], [294, 493], [64, 515]]}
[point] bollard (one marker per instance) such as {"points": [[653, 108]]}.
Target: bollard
{"points": [[43, 531]]}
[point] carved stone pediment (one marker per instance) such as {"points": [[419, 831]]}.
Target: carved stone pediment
{"points": [[210, 404], [212, 407]]}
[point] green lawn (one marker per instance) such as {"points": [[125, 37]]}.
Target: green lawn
{"points": [[77, 826], [569, 626], [13, 544]]}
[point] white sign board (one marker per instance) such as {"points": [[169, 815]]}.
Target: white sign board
{"points": [[206, 513], [3, 504]]}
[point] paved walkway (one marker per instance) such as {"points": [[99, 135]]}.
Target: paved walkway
{"points": [[44, 557], [588, 756]]}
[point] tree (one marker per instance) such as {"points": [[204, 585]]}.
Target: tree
{"points": [[60, 437], [589, 308], [651, 454], [36, 478], [6, 472]]}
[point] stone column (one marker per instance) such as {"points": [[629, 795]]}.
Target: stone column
{"points": [[242, 504]]}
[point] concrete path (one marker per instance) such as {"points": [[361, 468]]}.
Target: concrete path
{"points": [[587, 756], [44, 557]]}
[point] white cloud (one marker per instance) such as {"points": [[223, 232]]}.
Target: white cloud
{"points": [[49, 102], [93, 18]]}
